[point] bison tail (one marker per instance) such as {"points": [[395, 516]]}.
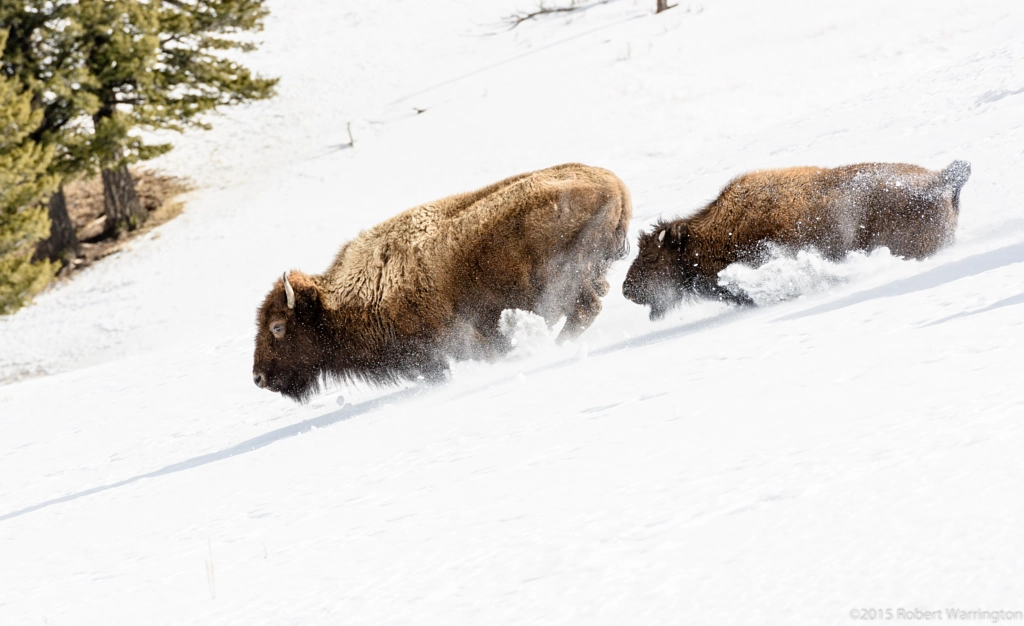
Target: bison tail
{"points": [[956, 175]]}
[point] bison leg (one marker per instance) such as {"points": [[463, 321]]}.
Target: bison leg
{"points": [[491, 343], [496, 344], [584, 310], [434, 370], [478, 337]]}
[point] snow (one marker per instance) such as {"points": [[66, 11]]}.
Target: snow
{"points": [[856, 444], [784, 276]]}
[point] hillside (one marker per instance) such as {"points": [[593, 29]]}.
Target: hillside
{"points": [[855, 446]]}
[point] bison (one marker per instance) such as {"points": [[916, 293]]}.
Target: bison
{"points": [[430, 284], [906, 208]]}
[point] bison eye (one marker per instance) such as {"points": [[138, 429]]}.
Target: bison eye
{"points": [[278, 329]]}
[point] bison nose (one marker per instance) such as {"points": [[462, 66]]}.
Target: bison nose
{"points": [[260, 380]]}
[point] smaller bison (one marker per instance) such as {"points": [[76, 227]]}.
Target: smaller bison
{"points": [[430, 284], [906, 208]]}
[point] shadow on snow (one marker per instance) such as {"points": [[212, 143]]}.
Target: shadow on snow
{"points": [[351, 411], [969, 266], [355, 410], [1017, 299], [345, 413]]}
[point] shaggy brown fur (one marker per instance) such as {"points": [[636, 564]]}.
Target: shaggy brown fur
{"points": [[430, 284], [910, 210]]}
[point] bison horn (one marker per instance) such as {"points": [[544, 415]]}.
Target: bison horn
{"points": [[288, 291], [661, 236]]}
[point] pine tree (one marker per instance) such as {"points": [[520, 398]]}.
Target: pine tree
{"points": [[119, 44], [100, 69], [159, 65], [42, 52], [23, 180]]}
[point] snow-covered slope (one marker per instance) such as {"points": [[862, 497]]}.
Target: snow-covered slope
{"points": [[857, 447]]}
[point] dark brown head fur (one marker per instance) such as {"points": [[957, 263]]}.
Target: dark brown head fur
{"points": [[292, 344], [661, 276], [910, 210]]}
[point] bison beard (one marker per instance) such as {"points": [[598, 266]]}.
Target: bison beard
{"points": [[429, 284], [906, 208]]}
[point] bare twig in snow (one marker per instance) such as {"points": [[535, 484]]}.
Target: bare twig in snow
{"points": [[209, 572], [574, 5], [663, 5]]}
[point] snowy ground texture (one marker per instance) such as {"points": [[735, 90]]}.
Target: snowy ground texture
{"points": [[856, 443]]}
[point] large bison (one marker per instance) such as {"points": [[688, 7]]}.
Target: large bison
{"points": [[430, 284], [910, 210]]}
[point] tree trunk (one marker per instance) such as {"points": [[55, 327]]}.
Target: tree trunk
{"points": [[120, 202], [62, 244], [663, 6]]}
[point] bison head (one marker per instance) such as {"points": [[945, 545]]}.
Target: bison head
{"points": [[291, 338], [658, 277]]}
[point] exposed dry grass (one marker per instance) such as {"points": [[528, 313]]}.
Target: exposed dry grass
{"points": [[156, 191]]}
